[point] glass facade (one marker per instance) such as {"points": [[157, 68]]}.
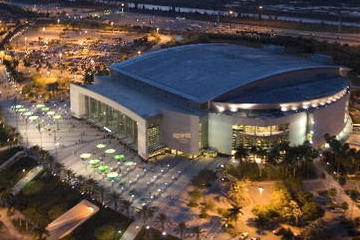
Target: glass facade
{"points": [[153, 138], [203, 133], [263, 136], [104, 115]]}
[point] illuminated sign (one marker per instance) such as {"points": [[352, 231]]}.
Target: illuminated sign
{"points": [[181, 135]]}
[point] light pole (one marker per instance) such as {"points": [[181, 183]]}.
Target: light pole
{"points": [[112, 26], [261, 190], [25, 44], [260, 8]]}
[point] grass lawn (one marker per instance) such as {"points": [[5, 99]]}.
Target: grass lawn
{"points": [[153, 234], [44, 199], [14, 172], [106, 224], [8, 153]]}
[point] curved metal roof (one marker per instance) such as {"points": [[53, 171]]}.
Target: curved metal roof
{"points": [[202, 72]]}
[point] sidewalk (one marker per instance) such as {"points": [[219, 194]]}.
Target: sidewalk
{"points": [[25, 180]]}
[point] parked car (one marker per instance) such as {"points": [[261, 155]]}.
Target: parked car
{"points": [[278, 230], [244, 235]]}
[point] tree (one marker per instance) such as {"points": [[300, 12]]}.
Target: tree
{"points": [[6, 197], [162, 218], [316, 231], [233, 213], [197, 231], [88, 78], [146, 212], [126, 205], [114, 198], [40, 233], [182, 228], [312, 211], [241, 152]]}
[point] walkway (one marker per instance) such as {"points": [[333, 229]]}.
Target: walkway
{"points": [[132, 231], [12, 160], [69, 221], [25, 180]]}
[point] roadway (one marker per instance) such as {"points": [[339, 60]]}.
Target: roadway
{"points": [[189, 25]]}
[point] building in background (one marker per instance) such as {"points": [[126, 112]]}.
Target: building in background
{"points": [[192, 98]]}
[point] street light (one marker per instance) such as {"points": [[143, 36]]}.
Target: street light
{"points": [[260, 8], [157, 30]]}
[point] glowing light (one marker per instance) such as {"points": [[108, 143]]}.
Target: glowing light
{"points": [[220, 108]]}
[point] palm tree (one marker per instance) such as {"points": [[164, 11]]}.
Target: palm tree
{"points": [[182, 228], [146, 212], [101, 191], [241, 152], [197, 230], [127, 205], [161, 218], [233, 213], [6, 197], [88, 187], [40, 233], [114, 198], [69, 175]]}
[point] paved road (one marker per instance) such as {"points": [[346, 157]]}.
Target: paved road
{"points": [[169, 23]]}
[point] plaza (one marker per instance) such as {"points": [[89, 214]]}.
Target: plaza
{"points": [[93, 153]]}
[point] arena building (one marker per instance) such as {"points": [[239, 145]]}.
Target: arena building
{"points": [[193, 98]]}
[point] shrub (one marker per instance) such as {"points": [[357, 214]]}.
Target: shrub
{"points": [[57, 210], [33, 187], [204, 178], [311, 211], [192, 204], [195, 195], [105, 232]]}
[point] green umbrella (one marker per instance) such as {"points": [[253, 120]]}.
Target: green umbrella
{"points": [[119, 157], [103, 168], [56, 117], [40, 105], [50, 113], [32, 118], [112, 175], [110, 150], [130, 163], [85, 155]]}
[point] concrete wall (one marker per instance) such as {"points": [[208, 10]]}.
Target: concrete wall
{"points": [[180, 131], [329, 119], [220, 132]]}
